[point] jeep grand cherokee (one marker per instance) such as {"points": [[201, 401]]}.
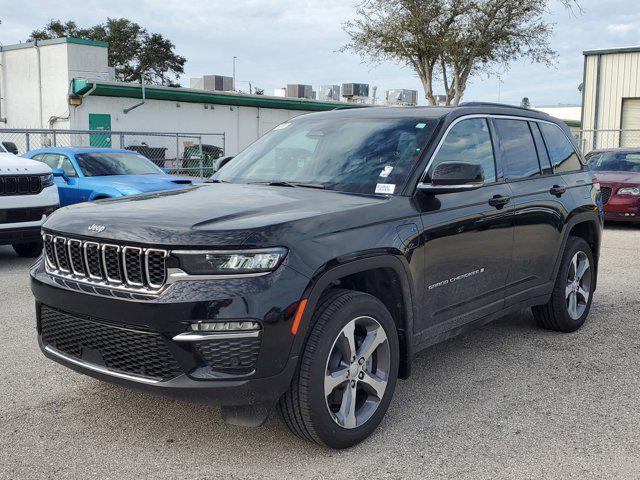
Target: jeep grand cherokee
{"points": [[321, 259]]}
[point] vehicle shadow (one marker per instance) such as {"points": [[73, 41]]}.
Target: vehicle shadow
{"points": [[442, 377], [9, 260]]}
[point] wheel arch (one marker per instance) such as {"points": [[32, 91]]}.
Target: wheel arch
{"points": [[587, 226], [373, 275]]}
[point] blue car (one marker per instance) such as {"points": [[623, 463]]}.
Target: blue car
{"points": [[87, 174]]}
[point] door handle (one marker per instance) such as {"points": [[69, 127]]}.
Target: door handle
{"points": [[498, 201], [557, 190]]}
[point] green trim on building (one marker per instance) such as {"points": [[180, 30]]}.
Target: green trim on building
{"points": [[54, 41], [84, 41], [128, 90]]}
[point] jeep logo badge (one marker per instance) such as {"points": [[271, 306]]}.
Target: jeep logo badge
{"points": [[97, 228]]}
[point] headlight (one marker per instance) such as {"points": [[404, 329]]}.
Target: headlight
{"points": [[231, 262], [635, 191], [46, 180]]}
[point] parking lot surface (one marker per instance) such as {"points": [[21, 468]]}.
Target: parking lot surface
{"points": [[506, 401]]}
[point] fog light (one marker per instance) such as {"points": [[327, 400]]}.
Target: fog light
{"points": [[237, 326]]}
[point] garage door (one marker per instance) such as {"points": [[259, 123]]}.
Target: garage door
{"points": [[630, 123]]}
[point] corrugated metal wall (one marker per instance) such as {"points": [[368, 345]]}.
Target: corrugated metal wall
{"points": [[610, 77]]}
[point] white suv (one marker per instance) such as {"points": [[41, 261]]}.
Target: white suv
{"points": [[27, 196]]}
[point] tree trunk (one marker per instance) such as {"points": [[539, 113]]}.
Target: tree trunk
{"points": [[427, 84]]}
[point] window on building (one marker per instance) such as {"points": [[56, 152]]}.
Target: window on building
{"points": [[518, 150]]}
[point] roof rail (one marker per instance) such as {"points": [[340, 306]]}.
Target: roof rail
{"points": [[494, 104]]}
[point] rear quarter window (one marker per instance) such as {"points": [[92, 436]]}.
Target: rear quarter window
{"points": [[563, 156]]}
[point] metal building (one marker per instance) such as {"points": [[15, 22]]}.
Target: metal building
{"points": [[611, 98]]}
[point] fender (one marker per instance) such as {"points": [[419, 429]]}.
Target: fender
{"points": [[326, 276], [104, 193], [574, 219]]}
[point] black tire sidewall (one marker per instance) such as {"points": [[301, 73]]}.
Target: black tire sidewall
{"points": [[574, 245], [325, 427]]}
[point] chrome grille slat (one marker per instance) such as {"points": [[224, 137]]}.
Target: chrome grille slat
{"points": [[111, 263], [60, 250], [76, 260], [93, 260], [132, 263], [105, 264]]}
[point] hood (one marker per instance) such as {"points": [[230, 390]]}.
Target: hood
{"points": [[11, 164], [617, 177], [218, 214], [143, 183]]}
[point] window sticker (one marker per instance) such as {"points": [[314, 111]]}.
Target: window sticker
{"points": [[386, 171], [421, 125], [385, 188], [282, 126]]}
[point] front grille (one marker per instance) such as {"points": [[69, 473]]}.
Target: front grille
{"points": [[107, 264], [234, 356], [118, 348], [20, 184], [606, 194]]}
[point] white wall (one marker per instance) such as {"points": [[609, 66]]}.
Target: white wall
{"points": [[34, 81], [241, 125]]}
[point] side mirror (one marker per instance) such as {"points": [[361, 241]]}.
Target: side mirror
{"points": [[454, 177], [59, 172], [223, 161]]}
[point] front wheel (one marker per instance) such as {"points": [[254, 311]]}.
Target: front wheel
{"points": [[28, 250], [348, 371], [571, 299]]}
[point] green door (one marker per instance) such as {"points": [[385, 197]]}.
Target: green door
{"points": [[100, 121]]}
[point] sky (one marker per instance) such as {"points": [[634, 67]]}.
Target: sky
{"points": [[298, 41]]}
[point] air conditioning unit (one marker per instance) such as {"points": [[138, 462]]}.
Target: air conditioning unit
{"points": [[219, 83], [297, 90], [330, 93], [355, 90], [401, 97]]}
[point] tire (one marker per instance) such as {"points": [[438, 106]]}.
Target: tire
{"points": [[28, 250], [305, 408], [560, 313]]}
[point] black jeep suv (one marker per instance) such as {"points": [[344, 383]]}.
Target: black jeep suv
{"points": [[321, 259]]}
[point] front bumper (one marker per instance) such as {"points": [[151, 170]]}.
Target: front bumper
{"points": [[192, 375]]}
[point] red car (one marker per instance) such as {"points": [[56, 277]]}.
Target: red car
{"points": [[618, 172]]}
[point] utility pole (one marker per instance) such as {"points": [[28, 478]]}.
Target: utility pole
{"points": [[234, 72]]}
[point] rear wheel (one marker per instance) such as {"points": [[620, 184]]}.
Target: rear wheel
{"points": [[347, 374], [571, 299], [28, 250]]}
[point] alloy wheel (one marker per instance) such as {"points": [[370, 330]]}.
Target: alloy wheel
{"points": [[357, 372], [578, 287]]}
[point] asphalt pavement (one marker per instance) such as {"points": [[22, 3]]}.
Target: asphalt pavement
{"points": [[507, 401]]}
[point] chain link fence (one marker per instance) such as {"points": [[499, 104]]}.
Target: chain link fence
{"points": [[598, 139], [192, 154]]}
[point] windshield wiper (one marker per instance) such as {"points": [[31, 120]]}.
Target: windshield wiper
{"points": [[281, 183]]}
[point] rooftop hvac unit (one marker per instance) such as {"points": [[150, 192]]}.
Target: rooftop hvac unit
{"points": [[355, 90], [212, 82], [299, 91], [402, 97], [330, 93]]}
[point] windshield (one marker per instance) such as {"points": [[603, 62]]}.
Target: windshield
{"points": [[358, 155], [615, 161], [115, 163]]}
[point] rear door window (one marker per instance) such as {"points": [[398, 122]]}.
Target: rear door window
{"points": [[517, 149], [563, 156]]}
